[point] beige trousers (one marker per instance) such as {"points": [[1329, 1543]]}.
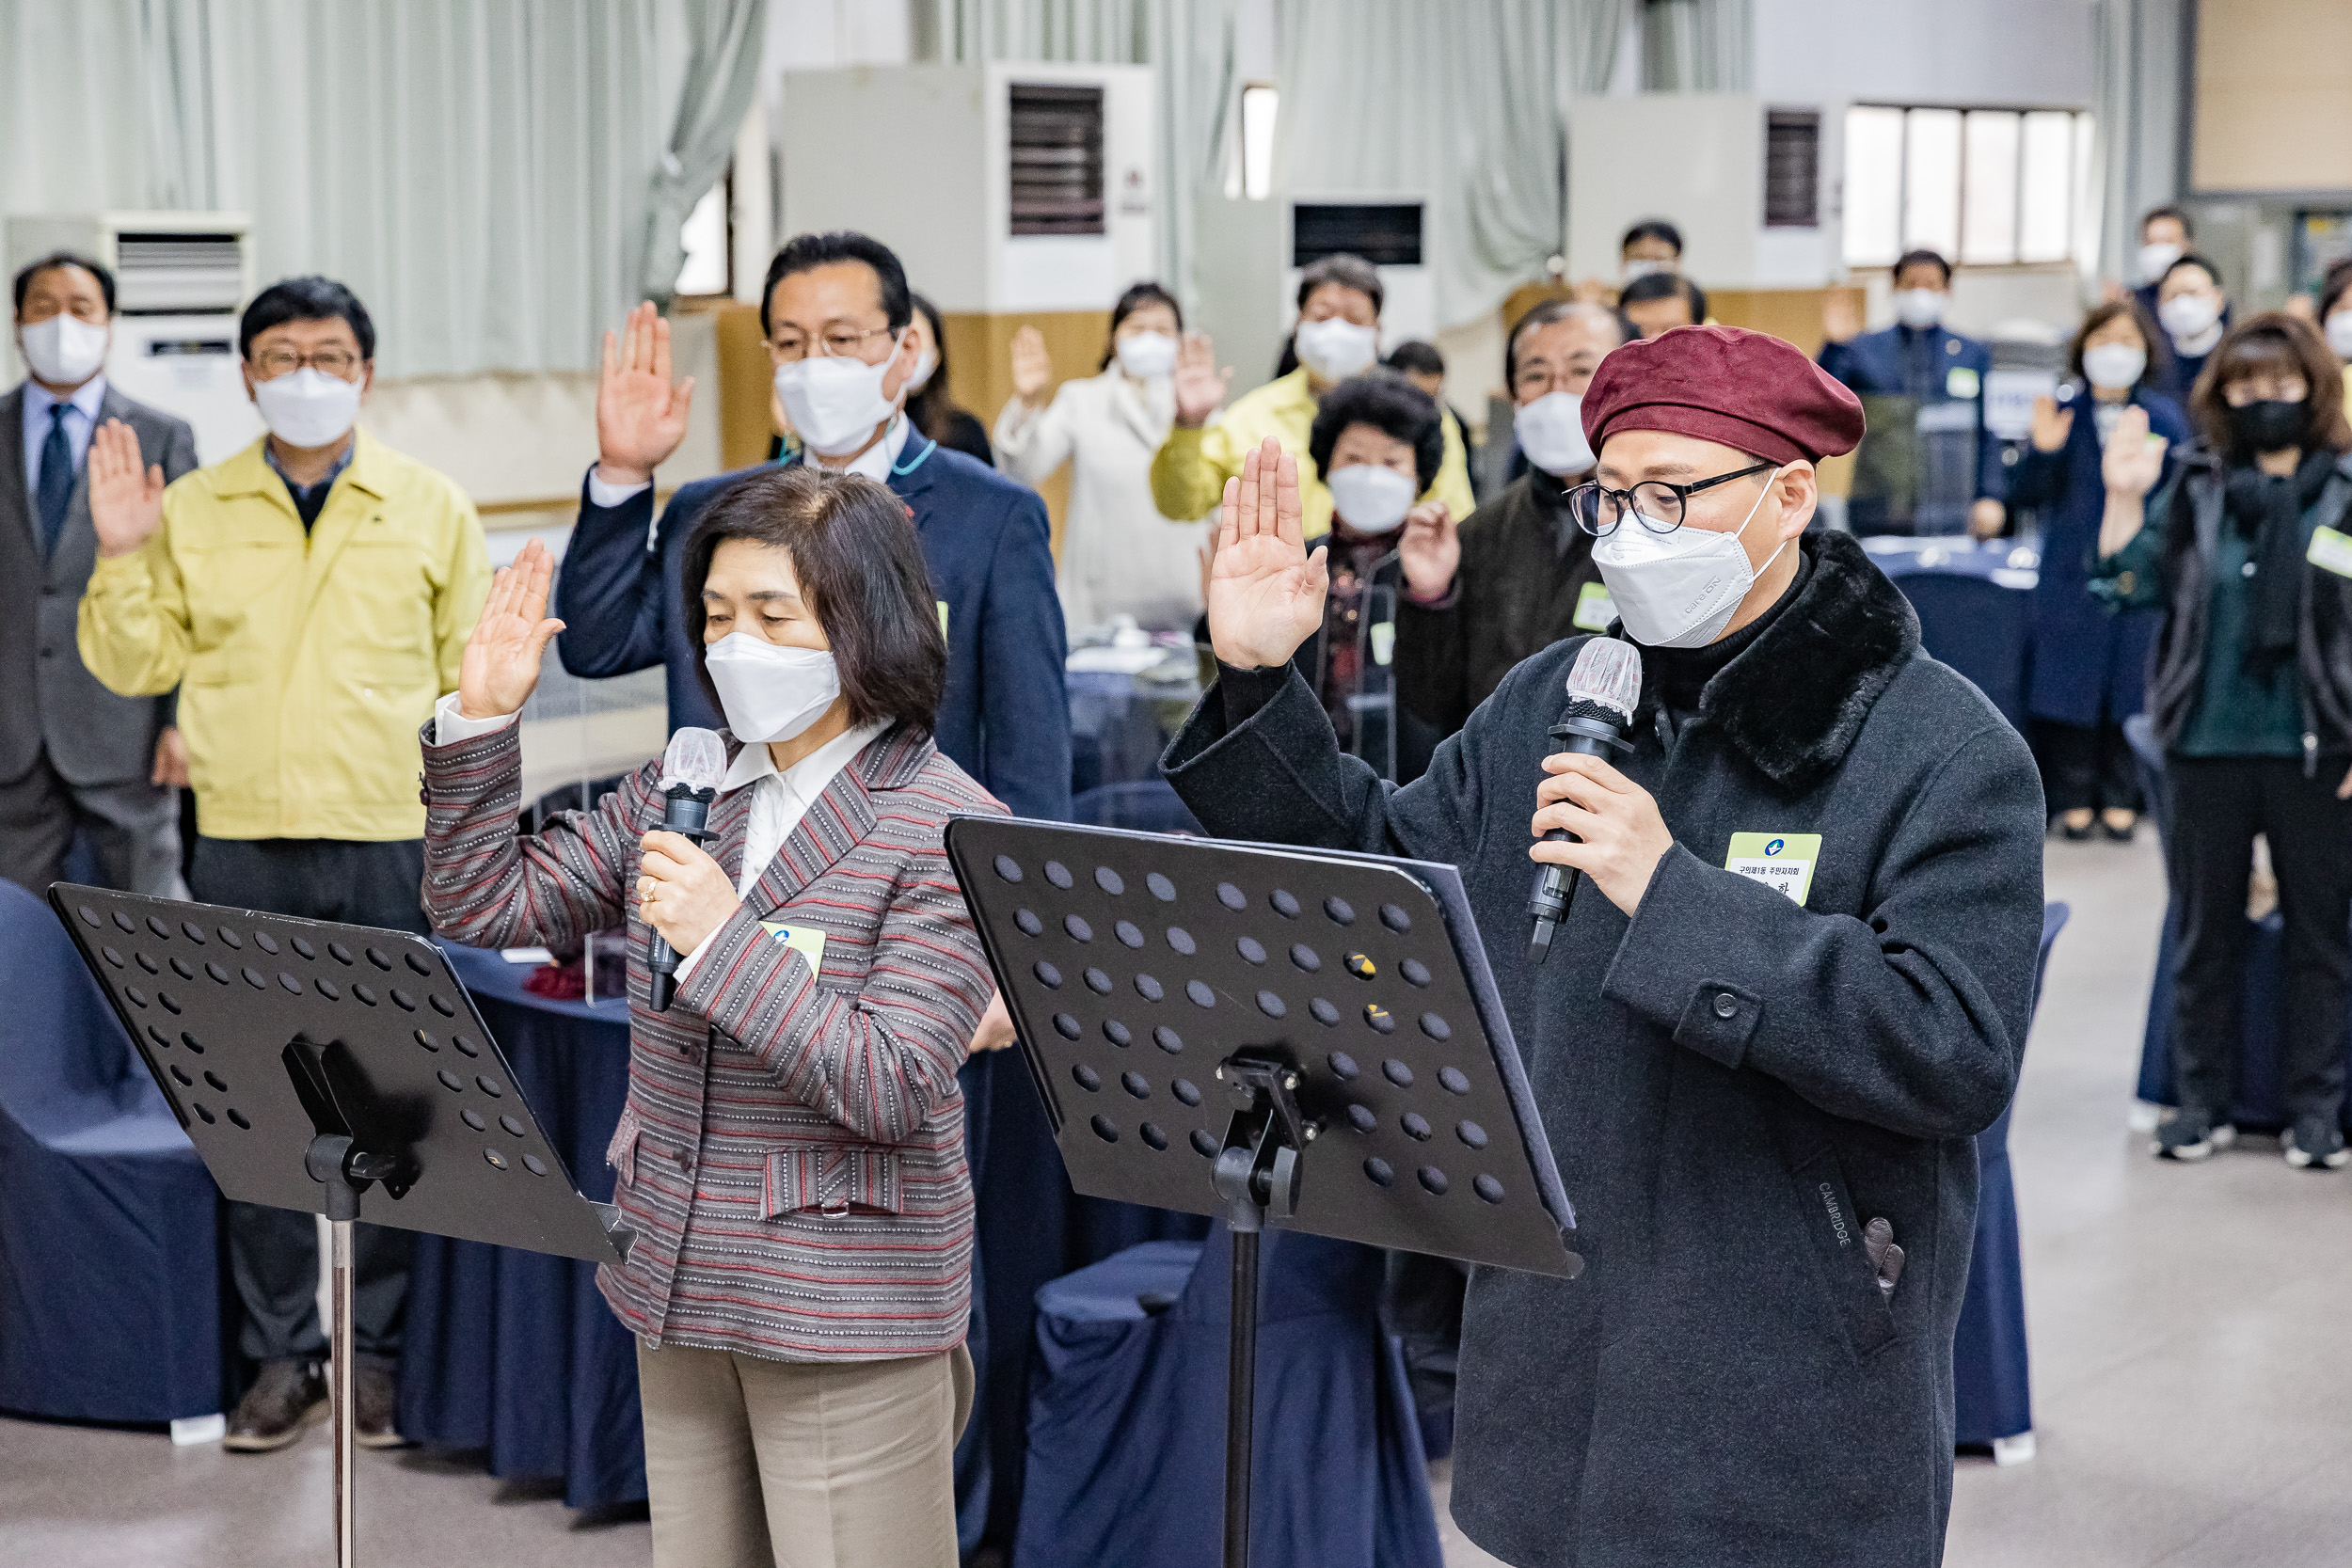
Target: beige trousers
{"points": [[803, 1464]]}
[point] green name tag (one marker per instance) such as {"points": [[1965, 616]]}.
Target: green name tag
{"points": [[1383, 642], [807, 942], [942, 616], [1782, 861], [1959, 382], [1594, 608], [2330, 551]]}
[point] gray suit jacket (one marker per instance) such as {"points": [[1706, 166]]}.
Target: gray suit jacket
{"points": [[48, 699]]}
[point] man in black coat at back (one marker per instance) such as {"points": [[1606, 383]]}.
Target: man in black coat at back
{"points": [[1793, 983]]}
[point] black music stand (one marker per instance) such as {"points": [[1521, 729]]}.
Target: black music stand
{"points": [[309, 1062], [1298, 1038]]}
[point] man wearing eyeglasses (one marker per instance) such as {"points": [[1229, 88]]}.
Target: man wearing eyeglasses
{"points": [[1791, 984], [836, 315], [311, 598], [1526, 577]]}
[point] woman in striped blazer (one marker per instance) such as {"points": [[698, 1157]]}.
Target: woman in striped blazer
{"points": [[791, 1156]]}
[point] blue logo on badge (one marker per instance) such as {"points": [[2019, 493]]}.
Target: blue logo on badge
{"points": [[1773, 847]]}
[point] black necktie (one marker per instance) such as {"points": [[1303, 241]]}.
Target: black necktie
{"points": [[54, 491]]}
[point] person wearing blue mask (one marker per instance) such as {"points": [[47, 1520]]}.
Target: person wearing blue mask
{"points": [[1929, 465]]}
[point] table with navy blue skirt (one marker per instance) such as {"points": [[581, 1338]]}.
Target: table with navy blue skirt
{"points": [[1975, 603]]}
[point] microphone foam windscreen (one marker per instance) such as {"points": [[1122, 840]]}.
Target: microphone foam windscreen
{"points": [[1607, 671], [696, 758]]}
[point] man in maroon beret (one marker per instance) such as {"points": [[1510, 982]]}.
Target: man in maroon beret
{"points": [[1767, 1032]]}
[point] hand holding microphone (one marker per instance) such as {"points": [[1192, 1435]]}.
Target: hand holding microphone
{"points": [[1589, 817], [683, 893]]}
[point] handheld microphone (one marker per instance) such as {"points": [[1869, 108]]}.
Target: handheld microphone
{"points": [[1604, 686], [691, 771]]}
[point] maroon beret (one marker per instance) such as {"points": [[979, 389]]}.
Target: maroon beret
{"points": [[1747, 390]]}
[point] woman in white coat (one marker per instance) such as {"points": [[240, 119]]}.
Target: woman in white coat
{"points": [[1118, 554]]}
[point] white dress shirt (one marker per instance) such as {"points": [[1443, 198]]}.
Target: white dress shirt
{"points": [[874, 463], [79, 425], [782, 798]]}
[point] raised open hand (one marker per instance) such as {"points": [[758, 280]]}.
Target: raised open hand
{"points": [[1032, 367], [1841, 316], [500, 666], [2133, 458], [640, 418], [1266, 592], [1199, 384], [126, 498], [1430, 551], [2052, 424]]}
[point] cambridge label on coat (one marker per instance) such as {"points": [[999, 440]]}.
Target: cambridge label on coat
{"points": [[809, 944], [1782, 861]]}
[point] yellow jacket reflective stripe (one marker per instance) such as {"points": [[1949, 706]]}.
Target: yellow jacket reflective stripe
{"points": [[1189, 472], [304, 664]]}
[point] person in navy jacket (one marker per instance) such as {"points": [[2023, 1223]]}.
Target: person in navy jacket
{"points": [[2089, 663], [834, 314], [1919, 359]]}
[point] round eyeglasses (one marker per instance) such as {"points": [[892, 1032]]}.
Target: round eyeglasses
{"points": [[1655, 502]]}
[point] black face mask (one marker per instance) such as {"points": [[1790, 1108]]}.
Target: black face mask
{"points": [[2269, 425]]}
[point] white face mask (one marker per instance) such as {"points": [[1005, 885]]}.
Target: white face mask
{"points": [[2154, 258], [768, 692], [1679, 590], [1335, 349], [1645, 268], [1551, 433], [835, 400], [925, 365], [65, 350], [2188, 315], [2340, 333], [2114, 366], [1370, 498], [309, 408], [1917, 308], [1146, 356]]}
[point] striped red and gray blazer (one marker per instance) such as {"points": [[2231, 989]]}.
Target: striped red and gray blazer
{"points": [[791, 1155]]}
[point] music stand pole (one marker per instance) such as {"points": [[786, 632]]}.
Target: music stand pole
{"points": [[1241, 1390]]}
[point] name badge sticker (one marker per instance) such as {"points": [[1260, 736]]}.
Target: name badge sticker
{"points": [[1595, 609], [1383, 642], [805, 941], [2330, 551], [1782, 861], [1959, 382]]}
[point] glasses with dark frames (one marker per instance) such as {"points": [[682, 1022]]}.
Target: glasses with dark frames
{"points": [[1658, 503]]}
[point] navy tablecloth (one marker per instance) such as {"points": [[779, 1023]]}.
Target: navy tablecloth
{"points": [[1119, 724], [1126, 1428], [514, 1353], [1975, 606], [109, 1276]]}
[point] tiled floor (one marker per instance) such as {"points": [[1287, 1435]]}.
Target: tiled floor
{"points": [[2192, 1380]]}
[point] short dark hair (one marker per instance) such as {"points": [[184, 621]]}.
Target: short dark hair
{"points": [[807, 252], [2188, 229], [2151, 339], [2334, 287], [305, 299], [2191, 258], [1652, 229], [1136, 298], [860, 565], [1390, 404], [1922, 257], [933, 409], [1543, 314], [2271, 342], [56, 259], [1660, 285], [1415, 358], [1349, 272]]}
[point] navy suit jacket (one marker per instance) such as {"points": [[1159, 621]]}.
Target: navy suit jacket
{"points": [[1005, 719], [1873, 363]]}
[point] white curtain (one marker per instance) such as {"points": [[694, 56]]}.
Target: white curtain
{"points": [[2137, 109], [1697, 45], [1462, 104], [488, 176], [1191, 44]]}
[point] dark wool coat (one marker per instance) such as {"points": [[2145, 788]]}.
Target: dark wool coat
{"points": [[1734, 1084]]}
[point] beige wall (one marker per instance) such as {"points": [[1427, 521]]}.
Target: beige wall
{"points": [[2273, 96]]}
